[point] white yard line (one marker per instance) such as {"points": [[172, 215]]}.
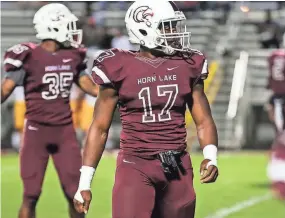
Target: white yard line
{"points": [[224, 212]]}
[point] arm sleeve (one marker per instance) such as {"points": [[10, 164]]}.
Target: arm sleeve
{"points": [[17, 76], [202, 71]]}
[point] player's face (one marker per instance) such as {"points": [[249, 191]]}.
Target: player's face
{"points": [[169, 29]]}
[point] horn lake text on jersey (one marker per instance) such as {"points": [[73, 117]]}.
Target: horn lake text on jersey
{"points": [[151, 79], [57, 68]]}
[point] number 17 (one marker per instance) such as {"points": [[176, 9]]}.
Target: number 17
{"points": [[163, 90]]}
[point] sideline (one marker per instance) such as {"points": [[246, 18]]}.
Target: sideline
{"points": [[224, 212]]}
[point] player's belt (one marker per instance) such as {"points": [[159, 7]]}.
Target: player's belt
{"points": [[171, 162]]}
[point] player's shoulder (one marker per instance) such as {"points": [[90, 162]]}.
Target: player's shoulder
{"points": [[82, 50], [192, 57], [109, 64], [196, 55], [20, 48], [17, 54], [276, 53], [112, 55], [196, 63]]}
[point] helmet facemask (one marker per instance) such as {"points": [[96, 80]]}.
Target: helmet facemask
{"points": [[74, 35], [173, 35]]}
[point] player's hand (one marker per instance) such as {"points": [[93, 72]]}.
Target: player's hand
{"points": [[209, 173], [82, 201]]}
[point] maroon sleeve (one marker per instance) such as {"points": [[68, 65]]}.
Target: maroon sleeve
{"points": [[106, 67], [200, 71], [15, 56]]}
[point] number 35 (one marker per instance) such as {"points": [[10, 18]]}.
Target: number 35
{"points": [[59, 84]]}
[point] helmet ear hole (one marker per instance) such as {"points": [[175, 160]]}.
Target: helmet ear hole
{"points": [[143, 32]]}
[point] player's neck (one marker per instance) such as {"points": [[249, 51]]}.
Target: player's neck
{"points": [[50, 46], [146, 52]]}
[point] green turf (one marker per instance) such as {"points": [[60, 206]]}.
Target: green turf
{"points": [[242, 176]]}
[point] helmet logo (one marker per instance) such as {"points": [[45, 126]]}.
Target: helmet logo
{"points": [[57, 16], [143, 14]]}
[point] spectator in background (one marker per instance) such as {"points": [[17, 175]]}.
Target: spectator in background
{"points": [[270, 32], [93, 33], [25, 5], [186, 6], [106, 43], [88, 8]]}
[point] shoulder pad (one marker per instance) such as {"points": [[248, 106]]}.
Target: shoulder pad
{"points": [[106, 66], [16, 55], [279, 52], [106, 55], [82, 51], [200, 64]]}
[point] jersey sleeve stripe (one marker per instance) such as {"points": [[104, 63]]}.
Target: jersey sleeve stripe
{"points": [[205, 68], [16, 63], [101, 74]]}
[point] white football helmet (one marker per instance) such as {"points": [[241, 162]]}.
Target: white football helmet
{"points": [[157, 25], [55, 21]]}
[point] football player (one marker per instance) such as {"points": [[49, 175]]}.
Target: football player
{"points": [[47, 71], [276, 110], [154, 175], [276, 83]]}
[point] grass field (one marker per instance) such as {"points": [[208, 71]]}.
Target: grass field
{"points": [[242, 182]]}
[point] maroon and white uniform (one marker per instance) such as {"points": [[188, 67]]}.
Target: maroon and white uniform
{"points": [[152, 97], [153, 94], [276, 82], [276, 79], [47, 79]]}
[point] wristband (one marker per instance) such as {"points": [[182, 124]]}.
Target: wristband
{"points": [[86, 177], [210, 153]]}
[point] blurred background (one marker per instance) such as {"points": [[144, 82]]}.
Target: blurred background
{"points": [[236, 37]]}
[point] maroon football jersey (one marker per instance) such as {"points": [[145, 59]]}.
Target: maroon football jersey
{"points": [[47, 80], [152, 96], [276, 80]]}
